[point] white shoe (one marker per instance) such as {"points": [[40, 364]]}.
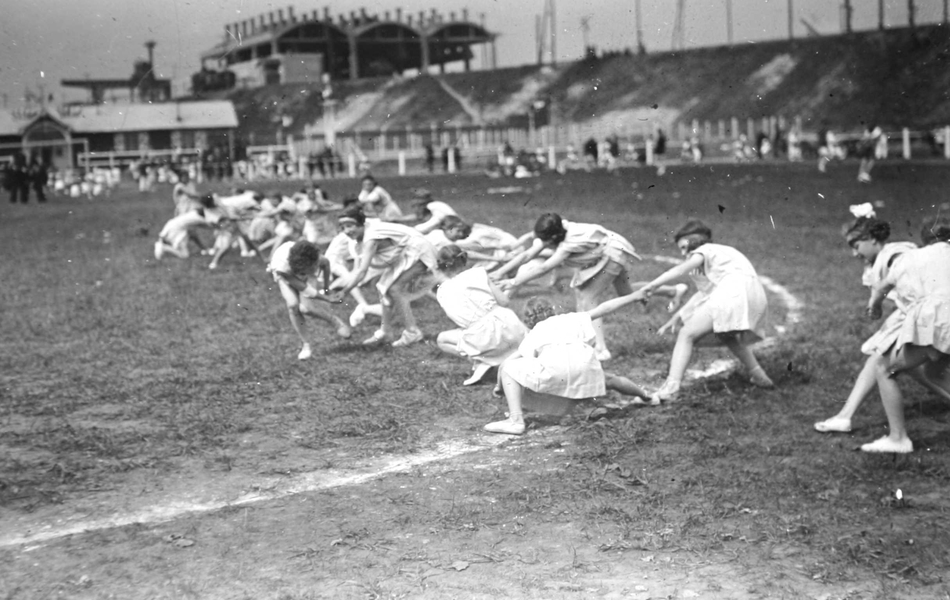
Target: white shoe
{"points": [[358, 316], [886, 444], [305, 352], [834, 425], [409, 336], [667, 392], [477, 373], [344, 332], [603, 354], [507, 426], [379, 336], [159, 250]]}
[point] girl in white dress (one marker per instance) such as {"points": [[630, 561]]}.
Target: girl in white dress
{"points": [[174, 236], [600, 258], [867, 237], [377, 202], [922, 278], [558, 357], [428, 213], [488, 331], [730, 303], [297, 268], [405, 261]]}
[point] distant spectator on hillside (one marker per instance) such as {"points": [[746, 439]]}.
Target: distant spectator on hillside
{"points": [[659, 151], [430, 158], [763, 146], [779, 145], [867, 146], [794, 145], [590, 152], [828, 149]]}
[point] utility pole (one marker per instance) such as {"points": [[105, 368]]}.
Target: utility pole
{"points": [[847, 10], [641, 49], [585, 29], [880, 15], [911, 10], [729, 22], [791, 16], [546, 31], [679, 37]]}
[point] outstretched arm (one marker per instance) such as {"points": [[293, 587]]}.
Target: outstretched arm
{"points": [[519, 259], [694, 261], [605, 308]]}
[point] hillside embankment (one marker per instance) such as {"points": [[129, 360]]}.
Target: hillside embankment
{"points": [[894, 78]]}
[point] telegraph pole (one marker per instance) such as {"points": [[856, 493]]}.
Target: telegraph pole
{"points": [[640, 47], [729, 21], [791, 17]]}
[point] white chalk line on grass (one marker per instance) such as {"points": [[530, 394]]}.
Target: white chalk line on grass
{"points": [[275, 489], [268, 489]]}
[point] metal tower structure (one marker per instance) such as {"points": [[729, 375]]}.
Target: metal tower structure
{"points": [[679, 38], [546, 32]]}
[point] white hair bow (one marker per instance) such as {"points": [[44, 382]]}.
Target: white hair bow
{"points": [[862, 210]]}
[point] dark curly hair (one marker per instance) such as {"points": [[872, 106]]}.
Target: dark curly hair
{"points": [[867, 228], [935, 229], [303, 257], [697, 232], [550, 228], [451, 258]]}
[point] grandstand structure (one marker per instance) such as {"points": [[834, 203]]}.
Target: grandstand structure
{"points": [[282, 47]]}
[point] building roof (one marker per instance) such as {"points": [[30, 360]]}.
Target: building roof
{"points": [[118, 118]]}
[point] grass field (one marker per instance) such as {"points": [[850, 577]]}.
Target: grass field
{"points": [[123, 375]]}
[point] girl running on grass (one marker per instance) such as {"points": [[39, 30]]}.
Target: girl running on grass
{"points": [[297, 268], [868, 236], [488, 331], [922, 277], [600, 257], [729, 303], [558, 356]]}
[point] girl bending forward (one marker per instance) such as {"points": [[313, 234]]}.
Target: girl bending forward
{"points": [[488, 331], [558, 357], [730, 303]]}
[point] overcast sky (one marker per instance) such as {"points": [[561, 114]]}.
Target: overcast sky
{"points": [[45, 41]]}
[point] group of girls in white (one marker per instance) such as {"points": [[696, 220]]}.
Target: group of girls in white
{"points": [[915, 337], [472, 270]]}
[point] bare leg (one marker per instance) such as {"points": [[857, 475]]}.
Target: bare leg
{"points": [[312, 308], [400, 295], [588, 297], [935, 376], [447, 341], [623, 385], [513, 394], [698, 326], [862, 387], [908, 358], [747, 358]]}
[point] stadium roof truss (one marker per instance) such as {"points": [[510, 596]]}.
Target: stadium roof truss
{"points": [[354, 49]]}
